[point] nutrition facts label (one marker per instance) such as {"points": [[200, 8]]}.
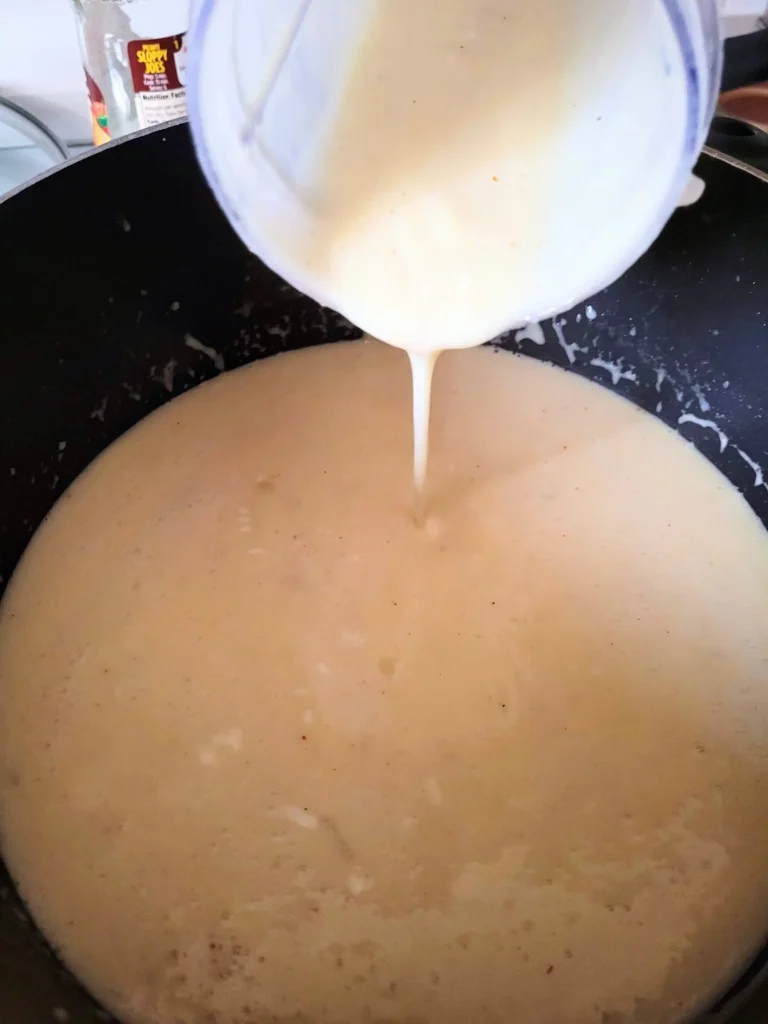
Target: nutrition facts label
{"points": [[158, 68]]}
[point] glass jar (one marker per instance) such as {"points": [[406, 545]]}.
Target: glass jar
{"points": [[264, 75], [134, 57]]}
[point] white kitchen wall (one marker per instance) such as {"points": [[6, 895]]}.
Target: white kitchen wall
{"points": [[40, 64]]}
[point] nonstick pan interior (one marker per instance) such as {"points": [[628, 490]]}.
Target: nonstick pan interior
{"points": [[123, 286]]}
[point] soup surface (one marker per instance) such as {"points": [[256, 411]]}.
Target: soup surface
{"points": [[272, 752]]}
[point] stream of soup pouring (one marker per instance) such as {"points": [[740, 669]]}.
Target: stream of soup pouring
{"points": [[270, 753], [422, 372]]}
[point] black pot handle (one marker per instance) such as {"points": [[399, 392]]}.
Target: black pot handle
{"points": [[746, 60]]}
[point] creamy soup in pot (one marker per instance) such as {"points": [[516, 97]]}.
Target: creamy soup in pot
{"points": [[273, 751]]}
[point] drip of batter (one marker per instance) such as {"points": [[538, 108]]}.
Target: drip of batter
{"points": [[270, 754]]}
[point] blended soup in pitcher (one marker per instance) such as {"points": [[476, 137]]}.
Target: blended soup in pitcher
{"points": [[271, 751]]}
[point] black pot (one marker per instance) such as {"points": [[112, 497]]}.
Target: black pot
{"points": [[113, 263]]}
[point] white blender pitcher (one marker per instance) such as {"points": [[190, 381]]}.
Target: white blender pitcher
{"points": [[266, 82]]}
